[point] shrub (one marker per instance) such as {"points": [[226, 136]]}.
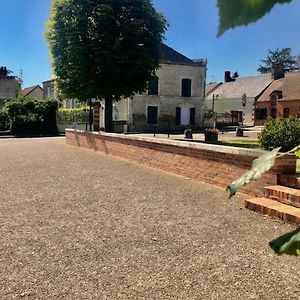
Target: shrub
{"points": [[4, 121], [284, 133], [32, 116], [70, 115]]}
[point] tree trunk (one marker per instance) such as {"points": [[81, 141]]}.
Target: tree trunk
{"points": [[108, 114]]}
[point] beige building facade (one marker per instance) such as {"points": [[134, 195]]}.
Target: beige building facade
{"points": [[237, 97], [173, 101], [9, 86], [280, 100], [33, 91]]}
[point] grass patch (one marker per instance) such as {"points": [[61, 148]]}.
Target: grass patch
{"points": [[242, 143]]}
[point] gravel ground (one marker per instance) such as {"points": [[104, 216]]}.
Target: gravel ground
{"points": [[76, 224]]}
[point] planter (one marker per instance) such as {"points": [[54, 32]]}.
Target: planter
{"points": [[211, 136]]}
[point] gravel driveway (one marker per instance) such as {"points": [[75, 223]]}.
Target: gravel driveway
{"points": [[76, 224]]}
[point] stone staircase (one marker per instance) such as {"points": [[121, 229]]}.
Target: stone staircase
{"points": [[281, 201]]}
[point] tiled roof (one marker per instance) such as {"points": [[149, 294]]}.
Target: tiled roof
{"points": [[252, 86], [171, 56], [210, 87], [289, 85], [29, 89]]}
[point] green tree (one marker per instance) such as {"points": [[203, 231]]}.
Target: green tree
{"points": [[104, 49], [278, 57]]}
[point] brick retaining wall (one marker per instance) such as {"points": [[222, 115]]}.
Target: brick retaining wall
{"points": [[215, 164]]}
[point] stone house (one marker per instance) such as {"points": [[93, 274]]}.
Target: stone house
{"points": [[174, 99], [33, 91], [49, 90], [9, 86], [236, 96], [280, 99]]}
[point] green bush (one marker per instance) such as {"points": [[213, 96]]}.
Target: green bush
{"points": [[4, 121], [32, 116], [70, 115], [284, 133]]}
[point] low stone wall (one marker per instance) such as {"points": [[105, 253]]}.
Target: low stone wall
{"points": [[215, 164], [62, 127]]}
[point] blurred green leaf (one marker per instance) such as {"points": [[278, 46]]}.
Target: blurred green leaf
{"points": [[297, 153], [288, 243], [259, 166], [235, 13]]}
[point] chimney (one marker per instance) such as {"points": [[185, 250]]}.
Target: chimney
{"points": [[277, 71], [227, 77], [3, 71]]}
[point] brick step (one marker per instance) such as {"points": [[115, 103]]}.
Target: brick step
{"points": [[275, 209], [283, 194], [289, 180]]}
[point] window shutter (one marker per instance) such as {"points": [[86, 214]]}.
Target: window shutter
{"points": [[152, 115], [192, 116], [178, 115], [186, 87], [153, 86]]}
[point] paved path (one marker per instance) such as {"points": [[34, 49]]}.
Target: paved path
{"points": [[249, 134], [81, 225]]}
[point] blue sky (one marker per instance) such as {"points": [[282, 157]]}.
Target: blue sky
{"points": [[192, 31]]}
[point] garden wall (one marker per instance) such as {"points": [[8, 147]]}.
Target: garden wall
{"points": [[214, 164]]}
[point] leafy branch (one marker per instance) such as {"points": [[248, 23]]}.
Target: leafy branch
{"points": [[288, 243], [235, 13]]}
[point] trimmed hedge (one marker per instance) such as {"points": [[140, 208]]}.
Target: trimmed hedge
{"points": [[284, 133], [32, 116], [4, 121], [70, 115]]}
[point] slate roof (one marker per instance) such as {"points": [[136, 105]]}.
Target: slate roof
{"points": [[289, 85], [252, 86], [171, 56], [29, 89]]}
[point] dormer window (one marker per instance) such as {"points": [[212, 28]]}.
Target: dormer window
{"points": [[279, 94], [275, 96]]}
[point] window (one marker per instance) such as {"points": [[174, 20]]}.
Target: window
{"points": [[286, 112], [261, 114], [273, 99], [152, 114], [186, 87], [274, 113], [153, 86]]}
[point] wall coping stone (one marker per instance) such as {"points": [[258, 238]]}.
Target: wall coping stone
{"points": [[184, 144]]}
